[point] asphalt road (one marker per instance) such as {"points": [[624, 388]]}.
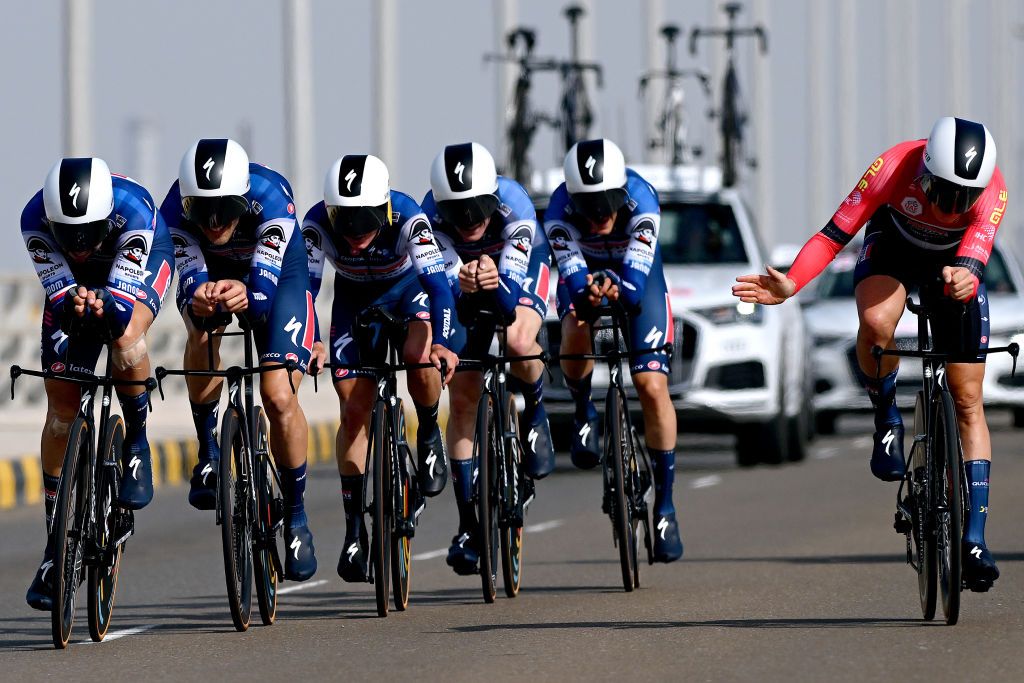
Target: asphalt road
{"points": [[790, 574]]}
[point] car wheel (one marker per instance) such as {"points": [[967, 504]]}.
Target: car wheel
{"points": [[825, 423], [762, 442], [796, 428], [1018, 417]]}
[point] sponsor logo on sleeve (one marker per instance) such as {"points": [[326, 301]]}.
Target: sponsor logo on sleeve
{"points": [[39, 250], [180, 246], [272, 237], [312, 240], [559, 239], [644, 233], [134, 249], [912, 206]]}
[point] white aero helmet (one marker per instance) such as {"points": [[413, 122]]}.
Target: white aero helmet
{"points": [[213, 179], [357, 195], [959, 160], [595, 177], [465, 184], [78, 197]]}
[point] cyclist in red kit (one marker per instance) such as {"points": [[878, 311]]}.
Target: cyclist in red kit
{"points": [[932, 208]]}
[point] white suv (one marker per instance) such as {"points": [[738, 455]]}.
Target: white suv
{"points": [[737, 368]]}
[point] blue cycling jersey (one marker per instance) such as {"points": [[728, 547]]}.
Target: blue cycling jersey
{"points": [[509, 240], [119, 264], [255, 254], [403, 250], [629, 250]]}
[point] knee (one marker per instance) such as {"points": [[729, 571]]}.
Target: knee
{"points": [[520, 341], [354, 414], [876, 325], [968, 402], [129, 350], [650, 386], [416, 352], [279, 402], [462, 404]]}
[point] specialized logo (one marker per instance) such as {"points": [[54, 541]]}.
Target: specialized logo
{"points": [[887, 440], [39, 250], [273, 237], [422, 299], [351, 551], [135, 249], [209, 163], [73, 193], [208, 166], [653, 337], [134, 464], [591, 162], [458, 165], [340, 344], [976, 551], [294, 546], [294, 327], [590, 157], [584, 433], [431, 463], [206, 472], [459, 168], [532, 439], [349, 177], [663, 527], [970, 154], [45, 567]]}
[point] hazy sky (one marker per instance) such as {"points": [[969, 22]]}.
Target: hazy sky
{"points": [[206, 68]]}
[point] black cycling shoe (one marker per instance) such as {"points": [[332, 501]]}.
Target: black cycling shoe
{"points": [[433, 462], [136, 478], [40, 593], [300, 555], [887, 462], [463, 555], [979, 567], [202, 494], [586, 447], [668, 547], [538, 451], [352, 566]]}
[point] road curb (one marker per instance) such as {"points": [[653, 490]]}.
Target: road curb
{"points": [[21, 480]]}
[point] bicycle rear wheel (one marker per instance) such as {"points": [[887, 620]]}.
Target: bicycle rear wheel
{"points": [[948, 506], [103, 575], [266, 560], [486, 497], [513, 488], [380, 539], [236, 532], [401, 543], [70, 515], [616, 440], [924, 540]]}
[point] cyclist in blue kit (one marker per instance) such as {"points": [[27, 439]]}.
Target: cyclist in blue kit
{"points": [[238, 250], [605, 219], [104, 257], [385, 255]]}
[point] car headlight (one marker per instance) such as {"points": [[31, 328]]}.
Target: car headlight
{"points": [[731, 314]]}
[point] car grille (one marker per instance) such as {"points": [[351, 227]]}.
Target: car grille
{"points": [[735, 376]]}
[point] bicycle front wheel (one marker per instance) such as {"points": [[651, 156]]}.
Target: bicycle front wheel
{"points": [[380, 543], [921, 483], [486, 497], [236, 532], [266, 560], [948, 506], [617, 440], [512, 500], [70, 515], [103, 575], [401, 543]]}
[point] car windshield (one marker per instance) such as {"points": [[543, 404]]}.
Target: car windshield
{"points": [[837, 281], [699, 234]]}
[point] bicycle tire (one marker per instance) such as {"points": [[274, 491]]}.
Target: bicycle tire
{"points": [[380, 543], [486, 500], [401, 544], [513, 491], [103, 578], [236, 535], [924, 540], [620, 514], [264, 547], [948, 506], [68, 530]]}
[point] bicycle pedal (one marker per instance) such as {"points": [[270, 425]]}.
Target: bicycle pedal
{"points": [[981, 586]]}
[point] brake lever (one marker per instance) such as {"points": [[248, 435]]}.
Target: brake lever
{"points": [[1013, 348], [15, 374], [876, 353], [314, 368], [289, 367], [151, 384], [161, 372]]}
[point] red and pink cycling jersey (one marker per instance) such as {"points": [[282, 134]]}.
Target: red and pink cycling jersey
{"points": [[892, 181]]}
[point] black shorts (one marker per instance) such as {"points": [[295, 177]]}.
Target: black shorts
{"points": [[959, 328]]}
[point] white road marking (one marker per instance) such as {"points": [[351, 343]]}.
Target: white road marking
{"points": [[862, 442], [114, 635], [300, 587], [531, 529], [705, 482], [826, 453]]}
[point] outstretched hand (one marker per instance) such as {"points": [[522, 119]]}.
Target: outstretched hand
{"points": [[773, 288]]}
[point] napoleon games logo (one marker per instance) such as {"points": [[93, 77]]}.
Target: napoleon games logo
{"points": [[424, 236], [644, 233], [135, 249], [521, 240], [273, 238], [311, 238], [39, 250], [559, 239]]}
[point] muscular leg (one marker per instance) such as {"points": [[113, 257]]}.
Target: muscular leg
{"points": [[522, 341], [425, 388], [585, 449], [130, 361], [659, 414], [355, 401], [965, 381], [61, 408], [289, 432], [204, 399]]}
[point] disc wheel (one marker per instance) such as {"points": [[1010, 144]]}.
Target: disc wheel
{"points": [[70, 516], [512, 534], [486, 499], [266, 560], [103, 576], [948, 496], [236, 532]]}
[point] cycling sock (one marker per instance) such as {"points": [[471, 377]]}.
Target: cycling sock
{"points": [[204, 415], [462, 482], [134, 409], [352, 498], [977, 483], [664, 465], [50, 484], [293, 486], [533, 393], [427, 416], [580, 390], [882, 393]]}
